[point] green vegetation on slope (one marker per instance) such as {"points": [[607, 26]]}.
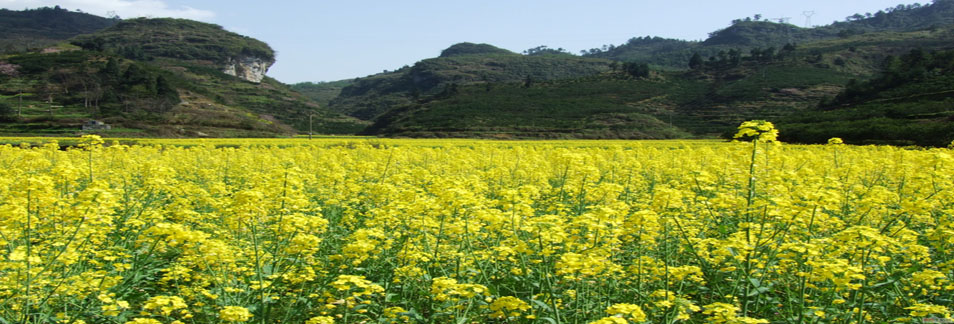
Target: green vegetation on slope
{"points": [[321, 92], [616, 105], [472, 49], [156, 77], [145, 39], [710, 100], [746, 34], [910, 102], [367, 98], [596, 107], [38, 28]]}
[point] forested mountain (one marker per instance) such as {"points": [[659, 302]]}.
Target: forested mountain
{"points": [[758, 32], [651, 87], [460, 64], [38, 28], [910, 102], [883, 77], [170, 77]]}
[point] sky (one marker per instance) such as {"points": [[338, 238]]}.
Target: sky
{"points": [[325, 40]]}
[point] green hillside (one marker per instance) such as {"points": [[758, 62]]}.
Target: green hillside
{"points": [[165, 77], [36, 29], [746, 34], [617, 105], [147, 39], [709, 100], [857, 79], [321, 92], [910, 103], [594, 107], [461, 64]]}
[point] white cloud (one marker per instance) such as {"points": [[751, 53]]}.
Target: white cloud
{"points": [[123, 8]]}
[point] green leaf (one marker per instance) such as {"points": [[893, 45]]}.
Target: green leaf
{"points": [[553, 321], [542, 305], [755, 282]]}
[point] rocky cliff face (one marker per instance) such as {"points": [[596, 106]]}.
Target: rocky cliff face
{"points": [[249, 68]]}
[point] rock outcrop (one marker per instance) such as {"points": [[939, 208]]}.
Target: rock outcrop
{"points": [[248, 68]]}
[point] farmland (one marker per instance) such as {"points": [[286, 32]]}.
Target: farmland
{"points": [[366, 230]]}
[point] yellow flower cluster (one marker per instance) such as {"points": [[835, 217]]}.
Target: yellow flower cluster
{"points": [[165, 306], [234, 314], [628, 311], [758, 129], [444, 288], [508, 306], [437, 231]]}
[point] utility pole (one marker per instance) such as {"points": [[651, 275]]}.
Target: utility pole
{"points": [[309, 125], [808, 18]]}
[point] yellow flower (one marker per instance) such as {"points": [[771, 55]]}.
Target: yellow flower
{"points": [[141, 320], [835, 141], [361, 286], [444, 288], [164, 305], [727, 313], [235, 314], [320, 320], [759, 130], [922, 310], [610, 320], [89, 142], [508, 306], [630, 311]]}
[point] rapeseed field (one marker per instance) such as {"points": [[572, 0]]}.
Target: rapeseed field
{"points": [[467, 231]]}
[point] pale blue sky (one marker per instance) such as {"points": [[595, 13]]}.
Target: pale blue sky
{"points": [[334, 40]]}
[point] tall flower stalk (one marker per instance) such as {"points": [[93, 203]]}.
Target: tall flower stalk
{"points": [[757, 130]]}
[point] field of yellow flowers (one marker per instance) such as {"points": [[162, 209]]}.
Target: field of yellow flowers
{"points": [[395, 231]]}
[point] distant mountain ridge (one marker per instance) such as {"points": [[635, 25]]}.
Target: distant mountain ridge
{"points": [[750, 70], [745, 34]]}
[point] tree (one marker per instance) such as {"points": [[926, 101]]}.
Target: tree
{"points": [[95, 44], [756, 53], [695, 61], [735, 57], [6, 112], [768, 54], [112, 72], [20, 85], [636, 70]]}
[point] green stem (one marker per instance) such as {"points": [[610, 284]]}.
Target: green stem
{"points": [[29, 247]]}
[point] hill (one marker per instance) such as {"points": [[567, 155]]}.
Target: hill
{"points": [[180, 39], [39, 28], [911, 102], [650, 87], [321, 92], [746, 34], [458, 65], [709, 100], [167, 77]]}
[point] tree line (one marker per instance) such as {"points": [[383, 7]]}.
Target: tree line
{"points": [[105, 85], [734, 57]]}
